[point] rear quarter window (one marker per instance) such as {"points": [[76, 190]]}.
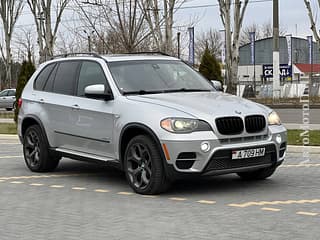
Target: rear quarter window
{"points": [[43, 77]]}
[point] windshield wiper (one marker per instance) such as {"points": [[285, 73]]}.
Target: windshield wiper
{"points": [[187, 90], [142, 92]]}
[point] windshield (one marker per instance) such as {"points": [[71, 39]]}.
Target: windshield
{"points": [[157, 76]]}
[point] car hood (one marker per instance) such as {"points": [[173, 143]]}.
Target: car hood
{"points": [[205, 104]]}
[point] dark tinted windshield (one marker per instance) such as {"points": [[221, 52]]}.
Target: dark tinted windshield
{"points": [[157, 76]]}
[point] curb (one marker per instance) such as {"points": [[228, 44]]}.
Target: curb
{"points": [[6, 120], [301, 149], [3, 136]]}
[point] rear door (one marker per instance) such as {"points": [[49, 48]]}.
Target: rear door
{"points": [[11, 99], [57, 101]]}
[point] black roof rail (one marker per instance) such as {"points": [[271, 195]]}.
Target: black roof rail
{"points": [[76, 54], [151, 53]]}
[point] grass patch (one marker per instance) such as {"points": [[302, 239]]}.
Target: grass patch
{"points": [[8, 128], [6, 115], [294, 137]]}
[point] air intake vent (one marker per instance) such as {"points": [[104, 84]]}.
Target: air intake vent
{"points": [[229, 125], [255, 123]]}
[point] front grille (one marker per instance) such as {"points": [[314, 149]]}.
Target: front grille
{"points": [[255, 123], [222, 159], [244, 139], [229, 125]]}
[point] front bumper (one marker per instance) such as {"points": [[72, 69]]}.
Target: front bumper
{"points": [[187, 158]]}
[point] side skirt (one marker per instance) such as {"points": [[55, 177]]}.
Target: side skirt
{"points": [[81, 156]]}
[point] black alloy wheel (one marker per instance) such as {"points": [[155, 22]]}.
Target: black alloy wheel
{"points": [[36, 151], [143, 166]]}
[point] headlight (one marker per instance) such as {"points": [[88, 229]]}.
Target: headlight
{"points": [[274, 119], [184, 125]]}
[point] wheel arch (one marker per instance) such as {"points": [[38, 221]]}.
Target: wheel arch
{"points": [[30, 120], [134, 129]]}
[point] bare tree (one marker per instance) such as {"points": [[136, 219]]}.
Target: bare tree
{"points": [[160, 17], [261, 31], [47, 28], [312, 19], [209, 40], [25, 43], [232, 28], [245, 33], [9, 13], [124, 24]]}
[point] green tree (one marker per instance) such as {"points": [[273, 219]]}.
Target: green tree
{"points": [[27, 69], [210, 67]]}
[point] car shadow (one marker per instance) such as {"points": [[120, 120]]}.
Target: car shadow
{"points": [[217, 185]]}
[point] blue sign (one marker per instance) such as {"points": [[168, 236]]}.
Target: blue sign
{"points": [[191, 45], [310, 41], [252, 46], [285, 71]]}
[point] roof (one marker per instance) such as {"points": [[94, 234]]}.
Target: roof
{"points": [[127, 57], [308, 68]]}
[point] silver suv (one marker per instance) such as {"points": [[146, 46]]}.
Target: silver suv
{"points": [[152, 115]]}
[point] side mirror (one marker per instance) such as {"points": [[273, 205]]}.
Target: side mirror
{"points": [[97, 91], [217, 85]]}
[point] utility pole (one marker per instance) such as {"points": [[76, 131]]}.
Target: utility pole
{"points": [[276, 55]]}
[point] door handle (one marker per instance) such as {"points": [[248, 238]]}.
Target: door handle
{"points": [[41, 101], [75, 107]]}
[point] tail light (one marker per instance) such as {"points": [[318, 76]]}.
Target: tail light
{"points": [[19, 102]]}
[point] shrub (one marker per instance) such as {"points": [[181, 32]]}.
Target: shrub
{"points": [[210, 67]]}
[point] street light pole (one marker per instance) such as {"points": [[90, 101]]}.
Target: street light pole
{"points": [[276, 55], [89, 39], [178, 38]]}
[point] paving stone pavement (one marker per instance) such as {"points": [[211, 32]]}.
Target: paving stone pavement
{"points": [[87, 201]]}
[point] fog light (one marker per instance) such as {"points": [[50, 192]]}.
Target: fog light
{"points": [[278, 139], [205, 146]]}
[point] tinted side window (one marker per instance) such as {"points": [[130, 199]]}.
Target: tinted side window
{"points": [[3, 93], [11, 93], [91, 73], [65, 78], [48, 87], [42, 77]]}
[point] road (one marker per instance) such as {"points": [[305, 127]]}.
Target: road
{"points": [[85, 201], [296, 115]]}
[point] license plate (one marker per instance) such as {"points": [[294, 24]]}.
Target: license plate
{"points": [[248, 153]]}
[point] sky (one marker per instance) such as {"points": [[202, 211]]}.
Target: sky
{"points": [[293, 16]]}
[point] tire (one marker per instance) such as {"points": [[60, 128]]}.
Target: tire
{"points": [[260, 174], [36, 151], [143, 166]]}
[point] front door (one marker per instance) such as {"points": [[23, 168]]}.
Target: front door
{"points": [[92, 119]]}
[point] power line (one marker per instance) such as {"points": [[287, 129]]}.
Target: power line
{"points": [[99, 5]]}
